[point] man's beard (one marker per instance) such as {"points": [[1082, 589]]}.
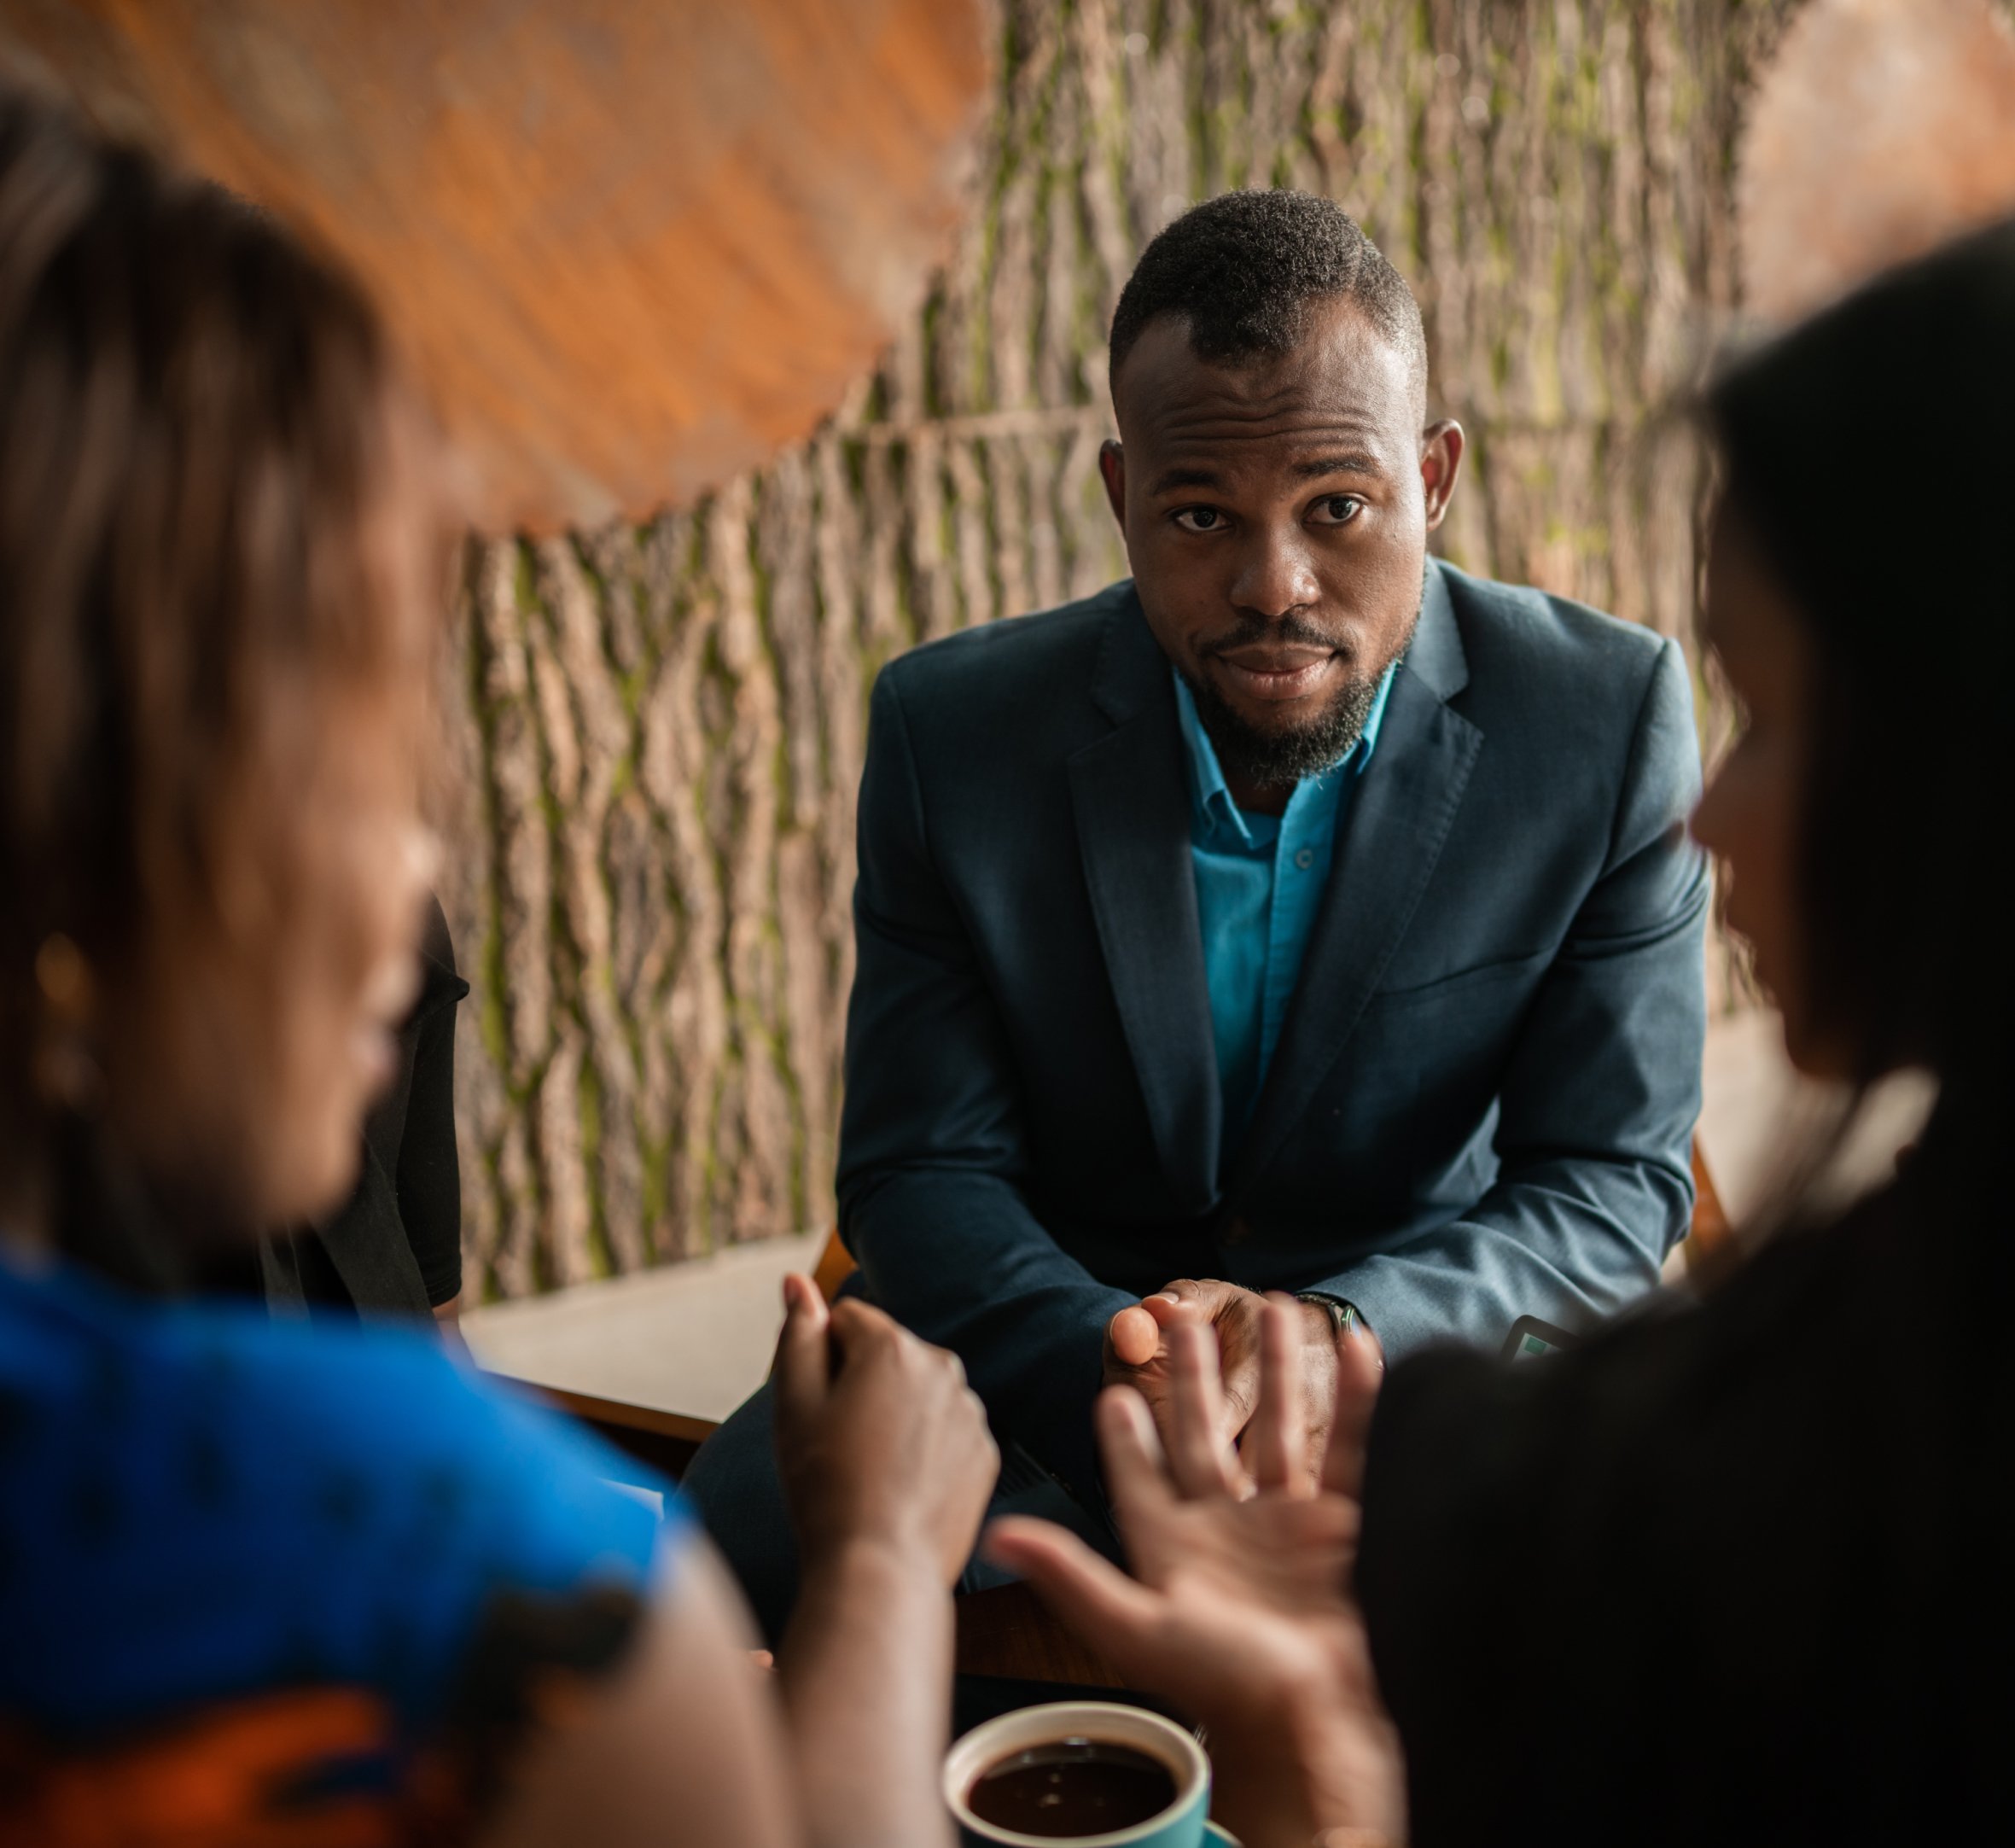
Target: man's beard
{"points": [[1273, 759]]}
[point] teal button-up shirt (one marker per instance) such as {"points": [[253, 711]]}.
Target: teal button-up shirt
{"points": [[1260, 882]]}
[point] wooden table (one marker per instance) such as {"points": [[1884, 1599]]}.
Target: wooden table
{"points": [[664, 1442], [1010, 1633]]}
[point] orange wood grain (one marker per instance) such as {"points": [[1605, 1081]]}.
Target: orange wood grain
{"points": [[835, 1266], [635, 245], [1711, 1228], [619, 1414]]}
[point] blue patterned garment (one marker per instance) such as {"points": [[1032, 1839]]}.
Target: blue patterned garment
{"points": [[323, 1567]]}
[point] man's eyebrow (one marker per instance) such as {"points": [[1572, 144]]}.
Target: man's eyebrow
{"points": [[1191, 475], [1200, 475], [1346, 464]]}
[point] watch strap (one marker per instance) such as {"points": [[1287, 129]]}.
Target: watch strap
{"points": [[1344, 1318]]}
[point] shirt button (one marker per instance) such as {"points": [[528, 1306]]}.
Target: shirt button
{"points": [[1305, 859]]}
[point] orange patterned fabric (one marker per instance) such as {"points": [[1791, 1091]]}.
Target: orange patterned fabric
{"points": [[260, 1772], [267, 1585]]}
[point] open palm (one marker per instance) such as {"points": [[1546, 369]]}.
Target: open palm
{"points": [[1241, 1612]]}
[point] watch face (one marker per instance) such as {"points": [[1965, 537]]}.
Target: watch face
{"points": [[1531, 1339]]}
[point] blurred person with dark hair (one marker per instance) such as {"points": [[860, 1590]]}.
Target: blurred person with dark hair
{"points": [[263, 1580], [1737, 1571], [1300, 913]]}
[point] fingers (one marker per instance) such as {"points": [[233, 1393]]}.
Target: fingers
{"points": [[1238, 1381], [1135, 1333], [1165, 1309], [1135, 1336], [1199, 1444], [868, 1338], [1184, 1300], [802, 1370], [1136, 1471], [1276, 1438], [1111, 1611], [800, 1296], [855, 1324], [1359, 1373]]}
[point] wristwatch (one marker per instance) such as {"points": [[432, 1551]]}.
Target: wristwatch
{"points": [[1344, 1318]]}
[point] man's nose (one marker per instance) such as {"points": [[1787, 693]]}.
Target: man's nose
{"points": [[1275, 575]]}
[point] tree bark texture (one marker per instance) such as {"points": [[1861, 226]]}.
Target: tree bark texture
{"points": [[660, 729]]}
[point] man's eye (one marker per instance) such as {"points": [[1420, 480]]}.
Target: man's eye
{"points": [[1336, 509], [1200, 519]]}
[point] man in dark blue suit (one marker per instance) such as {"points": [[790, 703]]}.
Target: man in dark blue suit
{"points": [[1300, 915]]}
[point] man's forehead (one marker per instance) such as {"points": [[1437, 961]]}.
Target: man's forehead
{"points": [[1342, 382]]}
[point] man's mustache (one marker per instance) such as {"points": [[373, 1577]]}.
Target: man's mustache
{"points": [[1290, 629]]}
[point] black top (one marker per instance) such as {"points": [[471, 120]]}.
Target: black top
{"points": [[396, 1246], [1735, 1574]]}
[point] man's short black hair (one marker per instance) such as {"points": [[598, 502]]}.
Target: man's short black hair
{"points": [[1242, 269]]}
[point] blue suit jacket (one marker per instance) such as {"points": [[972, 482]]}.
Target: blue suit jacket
{"points": [[1485, 1090]]}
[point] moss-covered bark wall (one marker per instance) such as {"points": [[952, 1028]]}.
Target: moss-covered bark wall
{"points": [[662, 727]]}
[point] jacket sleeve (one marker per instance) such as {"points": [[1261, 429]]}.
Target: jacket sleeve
{"points": [[1597, 1108], [933, 1157]]}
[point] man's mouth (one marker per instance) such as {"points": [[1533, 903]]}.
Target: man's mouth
{"points": [[1278, 672]]}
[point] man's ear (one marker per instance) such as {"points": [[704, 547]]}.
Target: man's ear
{"points": [[1441, 461], [1112, 467]]}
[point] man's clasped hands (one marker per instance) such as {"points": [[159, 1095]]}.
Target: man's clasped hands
{"points": [[1139, 1353]]}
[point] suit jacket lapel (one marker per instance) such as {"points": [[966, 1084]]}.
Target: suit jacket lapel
{"points": [[1392, 833], [1131, 798]]}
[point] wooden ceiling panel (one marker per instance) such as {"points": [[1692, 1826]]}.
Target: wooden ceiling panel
{"points": [[635, 246]]}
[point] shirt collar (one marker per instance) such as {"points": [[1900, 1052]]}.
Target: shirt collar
{"points": [[1210, 796]]}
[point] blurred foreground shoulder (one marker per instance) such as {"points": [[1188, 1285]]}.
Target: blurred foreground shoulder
{"points": [[1731, 1508], [214, 1521]]}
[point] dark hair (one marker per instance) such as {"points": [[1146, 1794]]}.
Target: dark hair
{"points": [[1867, 455], [1242, 269], [210, 545]]}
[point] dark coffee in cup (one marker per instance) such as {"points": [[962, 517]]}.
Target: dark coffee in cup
{"points": [[1079, 1771], [1072, 1788]]}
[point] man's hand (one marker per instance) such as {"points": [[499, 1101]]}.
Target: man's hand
{"points": [[1137, 1354], [1241, 1614], [878, 1436]]}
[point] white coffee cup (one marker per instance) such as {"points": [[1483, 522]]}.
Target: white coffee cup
{"points": [[1183, 1824]]}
